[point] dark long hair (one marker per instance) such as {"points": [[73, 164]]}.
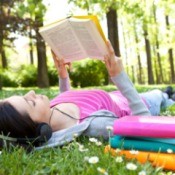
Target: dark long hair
{"points": [[14, 124]]}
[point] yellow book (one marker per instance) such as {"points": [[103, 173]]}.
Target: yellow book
{"points": [[75, 38]]}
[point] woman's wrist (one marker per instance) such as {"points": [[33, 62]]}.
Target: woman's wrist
{"points": [[117, 75]]}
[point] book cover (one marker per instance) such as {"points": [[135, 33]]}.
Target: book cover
{"points": [[164, 160], [145, 126], [129, 143]]}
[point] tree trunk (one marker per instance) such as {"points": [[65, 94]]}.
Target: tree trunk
{"points": [[148, 54], [4, 59], [170, 52], [139, 72], [125, 47], [133, 75], [159, 72], [31, 46], [2, 52], [157, 76], [42, 78], [161, 78], [112, 23]]}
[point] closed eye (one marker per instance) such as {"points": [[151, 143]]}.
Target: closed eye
{"points": [[28, 101]]}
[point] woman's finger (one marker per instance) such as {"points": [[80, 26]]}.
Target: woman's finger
{"points": [[110, 48]]}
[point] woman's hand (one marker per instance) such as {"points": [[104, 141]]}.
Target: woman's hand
{"points": [[113, 63], [60, 66]]}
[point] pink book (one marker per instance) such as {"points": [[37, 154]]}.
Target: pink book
{"points": [[145, 126]]}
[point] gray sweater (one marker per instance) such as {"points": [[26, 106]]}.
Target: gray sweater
{"points": [[95, 125]]}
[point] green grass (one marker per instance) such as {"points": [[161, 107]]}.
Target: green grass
{"points": [[69, 159]]}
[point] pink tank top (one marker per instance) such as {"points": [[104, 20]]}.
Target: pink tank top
{"points": [[90, 101]]}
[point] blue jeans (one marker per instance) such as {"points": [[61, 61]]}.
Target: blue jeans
{"points": [[156, 100]]}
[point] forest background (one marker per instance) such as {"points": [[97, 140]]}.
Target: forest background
{"points": [[141, 32]]}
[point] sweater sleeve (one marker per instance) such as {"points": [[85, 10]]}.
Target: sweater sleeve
{"points": [[64, 84], [126, 87]]}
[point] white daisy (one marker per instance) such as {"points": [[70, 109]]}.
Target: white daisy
{"points": [[98, 143], [142, 173], [131, 166], [134, 151], [102, 170], [109, 128], [119, 159], [93, 140], [169, 151], [117, 150], [93, 160]]}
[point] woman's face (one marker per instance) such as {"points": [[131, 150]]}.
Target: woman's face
{"points": [[37, 106]]}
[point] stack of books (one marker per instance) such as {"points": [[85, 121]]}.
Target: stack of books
{"points": [[145, 138]]}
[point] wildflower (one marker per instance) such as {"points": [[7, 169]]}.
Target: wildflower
{"points": [[93, 140], [98, 143], [75, 135], [142, 173], [119, 159], [131, 166], [118, 150], [82, 149], [102, 170], [134, 151], [109, 128], [169, 151], [93, 160]]}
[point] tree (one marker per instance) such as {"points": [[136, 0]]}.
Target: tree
{"points": [[8, 23], [159, 72], [170, 52], [34, 12], [112, 23], [43, 80]]}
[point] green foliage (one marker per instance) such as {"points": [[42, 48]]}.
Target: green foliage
{"points": [[27, 76], [53, 76], [88, 73], [170, 110], [7, 78]]}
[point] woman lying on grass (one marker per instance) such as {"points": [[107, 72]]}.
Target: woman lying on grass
{"points": [[81, 112]]}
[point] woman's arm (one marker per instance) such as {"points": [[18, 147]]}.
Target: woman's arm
{"points": [[64, 82], [121, 80]]}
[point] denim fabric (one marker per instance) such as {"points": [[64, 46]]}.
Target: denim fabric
{"points": [[156, 100]]}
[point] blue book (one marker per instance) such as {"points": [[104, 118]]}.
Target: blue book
{"points": [[134, 143]]}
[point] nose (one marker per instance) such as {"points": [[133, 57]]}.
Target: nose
{"points": [[31, 94]]}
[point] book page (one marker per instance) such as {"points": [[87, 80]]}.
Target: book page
{"points": [[90, 38], [62, 39], [96, 22]]}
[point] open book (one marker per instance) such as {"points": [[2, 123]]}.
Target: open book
{"points": [[76, 38]]}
